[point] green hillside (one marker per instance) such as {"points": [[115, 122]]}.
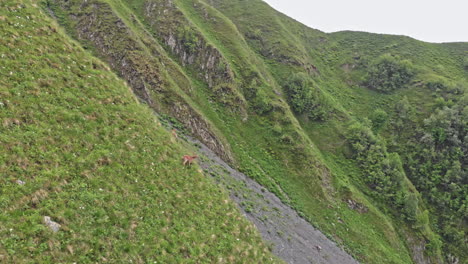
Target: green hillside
{"points": [[98, 163], [365, 135]]}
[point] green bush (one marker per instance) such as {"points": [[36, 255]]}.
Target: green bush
{"points": [[306, 98], [299, 92], [410, 207], [378, 118], [261, 103], [383, 171], [389, 73], [404, 115], [259, 100], [360, 137]]}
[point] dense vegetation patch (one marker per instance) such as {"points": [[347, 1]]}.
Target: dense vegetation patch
{"points": [[383, 172], [306, 98], [389, 73], [437, 162]]}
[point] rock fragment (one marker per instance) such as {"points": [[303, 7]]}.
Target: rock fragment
{"points": [[20, 182], [54, 226]]}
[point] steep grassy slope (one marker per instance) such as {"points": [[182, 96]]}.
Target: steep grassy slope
{"points": [[78, 147], [332, 123]]}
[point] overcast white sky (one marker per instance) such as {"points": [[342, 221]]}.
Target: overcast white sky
{"points": [[427, 20]]}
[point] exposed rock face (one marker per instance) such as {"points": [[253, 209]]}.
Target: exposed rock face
{"points": [[187, 43], [357, 206], [113, 40], [142, 75], [418, 247], [199, 127], [194, 50], [418, 254]]}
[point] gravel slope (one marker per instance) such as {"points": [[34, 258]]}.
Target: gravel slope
{"points": [[293, 239]]}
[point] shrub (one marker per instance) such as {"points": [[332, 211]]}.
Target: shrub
{"points": [[261, 102], [383, 171], [404, 115], [410, 206], [306, 98], [389, 73], [378, 118], [299, 92]]}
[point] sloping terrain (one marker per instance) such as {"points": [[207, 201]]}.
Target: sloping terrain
{"points": [[364, 135], [78, 148], [293, 239]]}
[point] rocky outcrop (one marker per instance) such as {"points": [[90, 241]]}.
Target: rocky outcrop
{"points": [[199, 127], [97, 26], [110, 37], [417, 247], [192, 49]]}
